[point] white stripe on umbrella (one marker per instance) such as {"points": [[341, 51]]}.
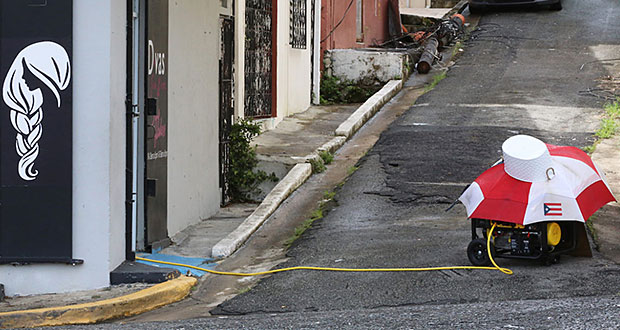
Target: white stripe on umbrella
{"points": [[580, 175], [472, 197]]}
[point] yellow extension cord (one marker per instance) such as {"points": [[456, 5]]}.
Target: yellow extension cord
{"points": [[503, 270]]}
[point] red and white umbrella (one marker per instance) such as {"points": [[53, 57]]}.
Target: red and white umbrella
{"points": [[538, 182]]}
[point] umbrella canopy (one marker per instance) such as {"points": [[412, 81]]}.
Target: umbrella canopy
{"points": [[538, 182]]}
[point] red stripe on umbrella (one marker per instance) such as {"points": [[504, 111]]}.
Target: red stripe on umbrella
{"points": [[504, 196], [593, 198]]}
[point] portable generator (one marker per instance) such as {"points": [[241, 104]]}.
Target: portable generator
{"points": [[543, 241]]}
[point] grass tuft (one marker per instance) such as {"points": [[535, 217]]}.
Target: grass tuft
{"points": [[609, 126], [610, 123], [436, 79], [612, 109], [352, 170], [317, 214], [327, 156]]}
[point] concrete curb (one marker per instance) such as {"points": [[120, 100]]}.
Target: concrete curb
{"points": [[131, 304], [295, 178], [369, 108], [303, 170], [332, 145]]}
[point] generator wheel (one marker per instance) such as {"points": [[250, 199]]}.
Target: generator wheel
{"points": [[477, 252], [550, 260]]}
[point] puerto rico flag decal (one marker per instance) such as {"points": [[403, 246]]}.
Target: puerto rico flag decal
{"points": [[553, 209]]}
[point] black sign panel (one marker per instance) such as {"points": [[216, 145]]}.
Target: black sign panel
{"points": [[157, 121], [36, 131]]}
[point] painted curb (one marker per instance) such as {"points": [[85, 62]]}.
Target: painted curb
{"points": [[131, 304], [369, 108], [295, 178]]}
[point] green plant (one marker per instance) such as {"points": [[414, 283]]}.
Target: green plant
{"points": [[589, 149], [610, 123], [436, 79], [327, 156], [609, 126], [336, 91], [352, 170], [317, 166], [457, 46], [244, 290], [317, 214], [612, 109], [242, 176], [327, 195]]}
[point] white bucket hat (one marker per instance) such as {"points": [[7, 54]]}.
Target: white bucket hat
{"points": [[526, 158]]}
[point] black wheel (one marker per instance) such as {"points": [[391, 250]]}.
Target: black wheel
{"points": [[475, 9], [556, 6], [550, 260], [477, 252]]}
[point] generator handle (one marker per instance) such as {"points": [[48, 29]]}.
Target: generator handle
{"points": [[457, 199]]}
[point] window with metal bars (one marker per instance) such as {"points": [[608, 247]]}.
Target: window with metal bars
{"points": [[297, 30]]}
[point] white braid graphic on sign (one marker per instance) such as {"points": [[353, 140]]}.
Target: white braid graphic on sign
{"points": [[48, 62]]}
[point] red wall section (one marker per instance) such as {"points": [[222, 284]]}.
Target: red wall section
{"points": [[343, 36]]}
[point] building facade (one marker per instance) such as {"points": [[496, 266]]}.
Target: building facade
{"points": [[154, 86]]}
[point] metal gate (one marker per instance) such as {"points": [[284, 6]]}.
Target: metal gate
{"points": [[260, 58], [226, 101]]}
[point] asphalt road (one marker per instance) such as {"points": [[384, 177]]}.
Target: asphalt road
{"points": [[577, 313], [523, 72]]}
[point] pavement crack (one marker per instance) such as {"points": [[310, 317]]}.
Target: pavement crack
{"points": [[382, 193]]}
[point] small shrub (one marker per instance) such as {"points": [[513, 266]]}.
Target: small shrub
{"points": [[242, 176], [327, 156], [336, 91], [317, 166]]}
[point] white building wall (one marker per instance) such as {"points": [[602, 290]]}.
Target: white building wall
{"points": [[294, 65], [193, 109], [98, 72], [118, 143]]}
